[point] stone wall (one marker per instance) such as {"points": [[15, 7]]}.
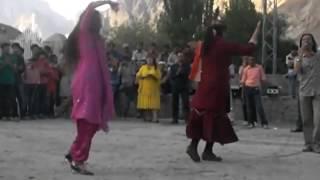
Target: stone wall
{"points": [[278, 109]]}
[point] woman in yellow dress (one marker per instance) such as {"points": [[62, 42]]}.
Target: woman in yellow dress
{"points": [[148, 78]]}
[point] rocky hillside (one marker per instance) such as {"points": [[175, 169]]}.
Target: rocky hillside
{"points": [[34, 14], [301, 14], [38, 14], [145, 10], [302, 17]]}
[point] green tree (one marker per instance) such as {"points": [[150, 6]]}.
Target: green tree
{"points": [[137, 31], [284, 46], [241, 19], [208, 13], [181, 20]]}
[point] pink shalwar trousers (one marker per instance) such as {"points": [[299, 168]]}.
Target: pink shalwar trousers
{"points": [[81, 146]]}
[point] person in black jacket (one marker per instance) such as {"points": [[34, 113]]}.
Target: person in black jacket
{"points": [[178, 77], [18, 52]]}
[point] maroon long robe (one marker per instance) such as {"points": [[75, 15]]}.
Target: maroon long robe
{"points": [[208, 118]]}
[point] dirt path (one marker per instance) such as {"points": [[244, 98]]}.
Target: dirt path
{"points": [[139, 151]]}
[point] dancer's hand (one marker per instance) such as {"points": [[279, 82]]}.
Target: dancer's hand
{"points": [[96, 4], [254, 37], [114, 5], [258, 27]]}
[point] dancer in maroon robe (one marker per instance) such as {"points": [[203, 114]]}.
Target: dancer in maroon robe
{"points": [[208, 118]]}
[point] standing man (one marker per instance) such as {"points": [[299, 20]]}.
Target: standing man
{"points": [[292, 75], [172, 58], [178, 77], [163, 57], [139, 55], [243, 97], [19, 85], [229, 107], [252, 79], [293, 84], [7, 82], [127, 72], [31, 84]]}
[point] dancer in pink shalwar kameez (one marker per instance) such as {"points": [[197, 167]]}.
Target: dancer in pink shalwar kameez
{"points": [[91, 88]]}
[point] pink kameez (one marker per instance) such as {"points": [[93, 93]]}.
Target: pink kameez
{"points": [[91, 88]]}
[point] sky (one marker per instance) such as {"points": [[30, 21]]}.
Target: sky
{"points": [[69, 8]]}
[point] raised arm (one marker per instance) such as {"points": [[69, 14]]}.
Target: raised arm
{"points": [[254, 37], [87, 14], [237, 49]]}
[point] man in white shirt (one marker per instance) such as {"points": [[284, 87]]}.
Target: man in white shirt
{"points": [[293, 84], [173, 56], [139, 55], [229, 99], [292, 76]]}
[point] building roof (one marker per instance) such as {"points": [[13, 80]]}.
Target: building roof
{"points": [[8, 33]]}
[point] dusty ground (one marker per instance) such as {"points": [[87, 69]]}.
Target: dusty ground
{"points": [[135, 150]]}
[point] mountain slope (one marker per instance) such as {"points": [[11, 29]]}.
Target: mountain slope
{"points": [[34, 14], [302, 17], [130, 10]]}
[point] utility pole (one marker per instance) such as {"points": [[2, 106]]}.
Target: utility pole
{"points": [[270, 33]]}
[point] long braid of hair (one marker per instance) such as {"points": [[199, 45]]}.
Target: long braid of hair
{"points": [[211, 33], [208, 39]]}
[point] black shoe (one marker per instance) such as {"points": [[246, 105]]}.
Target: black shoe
{"points": [[297, 130], [174, 121], [68, 158], [316, 148], [307, 149], [193, 154], [80, 169], [211, 157]]}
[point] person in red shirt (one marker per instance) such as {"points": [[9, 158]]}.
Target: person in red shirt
{"points": [[243, 99], [42, 65], [52, 85], [208, 118]]}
